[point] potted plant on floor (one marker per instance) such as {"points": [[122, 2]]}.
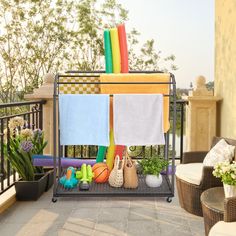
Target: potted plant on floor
{"points": [[21, 144], [152, 167]]}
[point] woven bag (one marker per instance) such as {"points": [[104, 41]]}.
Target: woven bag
{"points": [[116, 178], [130, 173]]}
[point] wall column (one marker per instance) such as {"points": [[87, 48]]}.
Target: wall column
{"points": [[45, 92], [200, 117]]}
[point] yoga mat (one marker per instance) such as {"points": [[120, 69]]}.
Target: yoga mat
{"points": [[101, 153], [123, 49], [115, 50], [110, 152], [65, 162], [108, 51]]}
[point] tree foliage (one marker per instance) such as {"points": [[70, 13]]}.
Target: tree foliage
{"points": [[39, 36]]}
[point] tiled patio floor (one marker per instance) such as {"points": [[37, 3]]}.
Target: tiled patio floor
{"points": [[99, 216]]}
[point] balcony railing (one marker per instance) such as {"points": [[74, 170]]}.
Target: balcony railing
{"points": [[30, 111]]}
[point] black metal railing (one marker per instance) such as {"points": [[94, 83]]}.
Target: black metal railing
{"points": [[32, 113], [137, 152]]}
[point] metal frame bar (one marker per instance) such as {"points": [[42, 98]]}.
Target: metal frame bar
{"points": [[173, 136], [56, 135]]}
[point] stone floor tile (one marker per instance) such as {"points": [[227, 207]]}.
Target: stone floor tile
{"points": [[62, 213], [111, 228], [116, 203], [176, 230], [88, 214], [38, 229], [143, 214], [79, 228], [171, 218], [54, 229], [85, 222], [10, 229], [64, 232], [148, 202], [146, 227], [19, 216], [197, 226], [64, 203], [113, 215]]}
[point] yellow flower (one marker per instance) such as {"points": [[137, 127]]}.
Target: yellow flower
{"points": [[26, 133], [16, 122]]}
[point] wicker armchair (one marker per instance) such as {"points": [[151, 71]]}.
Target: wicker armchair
{"points": [[228, 226], [189, 193]]}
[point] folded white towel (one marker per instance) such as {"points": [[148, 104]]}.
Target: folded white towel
{"points": [[138, 119]]}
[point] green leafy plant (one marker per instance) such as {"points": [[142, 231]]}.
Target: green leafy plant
{"points": [[226, 171], [152, 165], [22, 143]]}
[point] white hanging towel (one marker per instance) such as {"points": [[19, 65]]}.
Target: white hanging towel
{"points": [[138, 119]]}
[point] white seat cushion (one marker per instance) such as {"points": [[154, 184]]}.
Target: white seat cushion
{"points": [[221, 152], [222, 228], [191, 173]]}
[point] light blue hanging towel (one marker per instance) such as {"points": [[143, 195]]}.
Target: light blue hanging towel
{"points": [[84, 119]]}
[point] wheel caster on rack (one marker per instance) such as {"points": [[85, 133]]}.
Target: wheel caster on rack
{"points": [[54, 200], [169, 199]]}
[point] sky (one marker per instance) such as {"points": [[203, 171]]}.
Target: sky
{"points": [[184, 28]]}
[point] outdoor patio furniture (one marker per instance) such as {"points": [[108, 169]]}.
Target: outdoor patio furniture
{"points": [[212, 201], [196, 178], [228, 226]]}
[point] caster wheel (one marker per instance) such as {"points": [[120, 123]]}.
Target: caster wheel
{"points": [[169, 199], [54, 200]]}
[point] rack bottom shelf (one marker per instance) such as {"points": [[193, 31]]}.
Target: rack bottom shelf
{"points": [[106, 190]]}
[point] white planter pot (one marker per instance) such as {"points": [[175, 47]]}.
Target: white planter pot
{"points": [[153, 181], [230, 190]]}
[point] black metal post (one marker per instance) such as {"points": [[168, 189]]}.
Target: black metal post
{"points": [[2, 156], [181, 132]]}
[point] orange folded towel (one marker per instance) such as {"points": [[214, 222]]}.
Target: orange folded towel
{"points": [[138, 88]]}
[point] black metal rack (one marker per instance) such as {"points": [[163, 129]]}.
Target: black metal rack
{"points": [[167, 187]]}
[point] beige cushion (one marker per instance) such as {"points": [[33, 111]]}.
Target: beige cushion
{"points": [[219, 153], [222, 228], [191, 173]]}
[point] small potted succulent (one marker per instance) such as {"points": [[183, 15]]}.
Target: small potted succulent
{"points": [[21, 143], [152, 167]]}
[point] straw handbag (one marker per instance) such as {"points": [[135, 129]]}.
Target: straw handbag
{"points": [[116, 178], [130, 173]]}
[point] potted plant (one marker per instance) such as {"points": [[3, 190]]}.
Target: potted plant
{"points": [[227, 172], [23, 142], [152, 167]]}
